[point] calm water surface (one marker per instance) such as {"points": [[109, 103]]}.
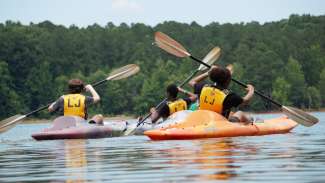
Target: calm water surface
{"points": [[295, 157]]}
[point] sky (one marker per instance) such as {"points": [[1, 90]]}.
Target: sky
{"points": [[152, 12]]}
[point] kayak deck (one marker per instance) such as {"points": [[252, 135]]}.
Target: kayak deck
{"points": [[72, 127], [208, 124]]}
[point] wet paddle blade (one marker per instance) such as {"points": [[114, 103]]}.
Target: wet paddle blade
{"points": [[124, 72], [211, 57], [299, 116], [170, 45], [8, 123]]}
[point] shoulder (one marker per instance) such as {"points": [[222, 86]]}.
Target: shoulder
{"points": [[60, 99], [187, 100], [164, 110], [89, 99], [198, 87], [233, 99], [232, 95]]}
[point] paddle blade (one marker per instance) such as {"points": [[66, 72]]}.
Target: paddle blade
{"points": [[123, 72], [211, 57], [8, 123], [170, 45], [299, 116]]}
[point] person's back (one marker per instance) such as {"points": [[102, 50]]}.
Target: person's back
{"points": [[217, 97], [212, 98], [74, 103], [173, 103]]}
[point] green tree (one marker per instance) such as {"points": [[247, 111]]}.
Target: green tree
{"points": [[295, 78], [321, 86], [44, 55], [41, 86], [313, 98], [280, 91], [10, 103]]}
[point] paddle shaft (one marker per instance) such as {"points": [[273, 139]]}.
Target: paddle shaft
{"points": [[45, 107], [240, 83], [162, 102]]}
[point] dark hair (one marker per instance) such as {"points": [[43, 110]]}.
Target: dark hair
{"points": [[220, 76], [172, 90], [75, 86]]}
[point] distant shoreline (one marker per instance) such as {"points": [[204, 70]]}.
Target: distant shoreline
{"points": [[106, 118], [128, 117]]}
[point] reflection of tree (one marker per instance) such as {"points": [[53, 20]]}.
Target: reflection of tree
{"points": [[75, 160]]}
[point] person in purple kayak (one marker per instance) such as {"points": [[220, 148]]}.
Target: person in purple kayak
{"points": [[75, 103], [216, 97]]}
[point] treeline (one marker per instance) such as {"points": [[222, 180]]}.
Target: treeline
{"points": [[284, 59]]}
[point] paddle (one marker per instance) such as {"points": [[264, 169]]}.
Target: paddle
{"points": [[209, 59], [116, 74], [173, 47]]}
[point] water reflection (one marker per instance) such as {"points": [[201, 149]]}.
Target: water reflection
{"points": [[211, 159], [217, 156], [290, 158], [75, 160]]}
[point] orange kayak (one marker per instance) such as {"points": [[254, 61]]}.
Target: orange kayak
{"points": [[208, 124]]}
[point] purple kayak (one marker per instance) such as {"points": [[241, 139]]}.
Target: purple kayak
{"points": [[73, 127]]}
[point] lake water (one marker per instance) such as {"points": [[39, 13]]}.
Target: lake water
{"points": [[295, 157]]}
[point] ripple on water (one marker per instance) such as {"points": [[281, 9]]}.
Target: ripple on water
{"points": [[294, 157]]}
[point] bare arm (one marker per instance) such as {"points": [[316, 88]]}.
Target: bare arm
{"points": [[52, 108], [198, 79], [249, 95], [154, 115], [230, 67], [93, 92], [191, 95]]}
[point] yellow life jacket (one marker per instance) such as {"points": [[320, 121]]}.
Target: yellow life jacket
{"points": [[74, 105], [177, 105], [212, 99]]}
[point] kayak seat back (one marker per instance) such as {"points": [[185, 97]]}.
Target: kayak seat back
{"points": [[64, 122]]}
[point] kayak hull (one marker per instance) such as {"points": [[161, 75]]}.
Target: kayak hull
{"points": [[208, 124], [72, 127]]}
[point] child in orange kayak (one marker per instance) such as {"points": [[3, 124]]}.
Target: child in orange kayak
{"points": [[216, 97], [173, 104]]}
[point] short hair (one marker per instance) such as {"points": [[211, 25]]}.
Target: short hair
{"points": [[75, 86], [220, 76], [172, 90]]}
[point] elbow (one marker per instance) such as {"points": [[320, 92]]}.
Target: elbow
{"points": [[154, 117], [50, 108], [246, 100], [193, 98], [96, 99], [192, 83]]}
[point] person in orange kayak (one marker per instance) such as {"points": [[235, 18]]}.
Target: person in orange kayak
{"points": [[173, 104], [197, 90], [76, 104], [216, 97]]}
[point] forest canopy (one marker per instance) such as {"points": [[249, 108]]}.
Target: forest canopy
{"points": [[283, 59]]}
